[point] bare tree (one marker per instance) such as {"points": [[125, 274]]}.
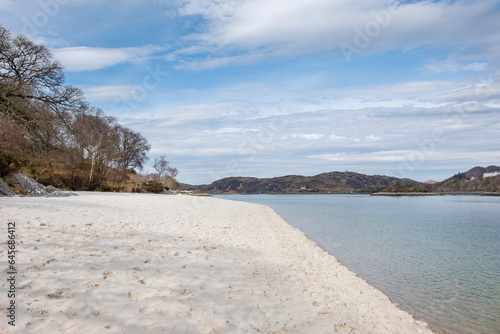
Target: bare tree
{"points": [[13, 145], [30, 77], [172, 172], [95, 136], [162, 167], [32, 93], [133, 149]]}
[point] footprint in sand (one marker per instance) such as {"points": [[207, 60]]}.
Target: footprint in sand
{"points": [[140, 295], [141, 280], [108, 273], [64, 293]]}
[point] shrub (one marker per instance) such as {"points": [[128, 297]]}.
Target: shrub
{"points": [[153, 187]]}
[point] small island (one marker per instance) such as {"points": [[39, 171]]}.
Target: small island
{"points": [[410, 189]]}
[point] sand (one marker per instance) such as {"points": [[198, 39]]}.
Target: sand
{"points": [[130, 263]]}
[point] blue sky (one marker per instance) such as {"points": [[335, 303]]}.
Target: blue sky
{"points": [[276, 87]]}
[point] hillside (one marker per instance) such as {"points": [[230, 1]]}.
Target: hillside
{"points": [[471, 181], [333, 182], [49, 131]]}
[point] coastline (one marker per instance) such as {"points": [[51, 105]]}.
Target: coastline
{"points": [[457, 193], [406, 194], [127, 262]]}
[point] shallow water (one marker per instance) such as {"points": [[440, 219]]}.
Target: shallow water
{"points": [[438, 256]]}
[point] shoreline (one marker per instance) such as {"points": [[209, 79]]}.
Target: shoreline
{"points": [[117, 262], [477, 193], [407, 194]]}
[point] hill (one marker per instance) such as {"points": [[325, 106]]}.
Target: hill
{"points": [[469, 182], [472, 180], [333, 182]]}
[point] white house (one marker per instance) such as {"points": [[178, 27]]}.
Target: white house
{"points": [[493, 174]]}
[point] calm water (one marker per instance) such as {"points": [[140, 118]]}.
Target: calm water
{"points": [[436, 256]]}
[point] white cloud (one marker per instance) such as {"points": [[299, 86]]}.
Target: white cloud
{"points": [[84, 58], [109, 93], [309, 136], [228, 130], [484, 92], [475, 67], [282, 27], [209, 63], [372, 138], [453, 66], [385, 156], [335, 137], [317, 135]]}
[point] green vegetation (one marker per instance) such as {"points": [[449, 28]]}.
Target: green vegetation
{"points": [[469, 184], [49, 132], [471, 181], [408, 188]]}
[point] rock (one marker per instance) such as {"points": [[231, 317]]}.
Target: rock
{"points": [[169, 192], [25, 185], [29, 185], [51, 189], [54, 192], [5, 189]]}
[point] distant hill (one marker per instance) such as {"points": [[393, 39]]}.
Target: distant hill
{"points": [[333, 182], [472, 180]]}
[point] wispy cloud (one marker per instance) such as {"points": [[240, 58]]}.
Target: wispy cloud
{"points": [[453, 66], [280, 27], [84, 58], [320, 135], [394, 156], [484, 91], [109, 93], [209, 63]]}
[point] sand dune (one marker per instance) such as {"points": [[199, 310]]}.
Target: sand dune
{"points": [[125, 263]]}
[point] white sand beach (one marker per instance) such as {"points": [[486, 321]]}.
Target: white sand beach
{"points": [[140, 263]]}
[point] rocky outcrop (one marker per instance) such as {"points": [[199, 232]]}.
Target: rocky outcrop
{"points": [[30, 186], [20, 184], [5, 189]]}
